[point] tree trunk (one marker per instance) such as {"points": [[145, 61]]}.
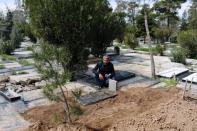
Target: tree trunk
{"points": [[150, 47], [66, 107]]}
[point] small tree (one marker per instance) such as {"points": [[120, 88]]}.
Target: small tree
{"points": [[188, 41], [68, 28], [51, 61]]}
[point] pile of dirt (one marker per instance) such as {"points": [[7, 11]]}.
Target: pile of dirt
{"points": [[136, 109]]}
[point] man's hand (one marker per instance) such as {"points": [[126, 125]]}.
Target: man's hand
{"points": [[101, 77]]}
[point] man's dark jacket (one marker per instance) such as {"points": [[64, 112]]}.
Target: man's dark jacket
{"points": [[103, 69]]}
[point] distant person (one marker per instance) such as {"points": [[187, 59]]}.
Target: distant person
{"points": [[104, 71]]}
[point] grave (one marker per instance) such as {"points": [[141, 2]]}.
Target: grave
{"points": [[120, 76], [191, 78], [9, 95], [123, 75], [23, 54], [7, 70], [96, 97], [170, 73]]}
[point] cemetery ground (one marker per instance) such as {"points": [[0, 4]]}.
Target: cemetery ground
{"points": [[140, 103]]}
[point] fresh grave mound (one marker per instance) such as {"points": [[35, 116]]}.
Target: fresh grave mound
{"points": [[131, 102], [135, 109]]}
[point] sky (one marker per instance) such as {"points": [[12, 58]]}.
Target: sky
{"points": [[7, 3], [184, 6], [11, 5]]}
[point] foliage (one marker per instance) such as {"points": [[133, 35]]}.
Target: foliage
{"points": [[130, 37], [16, 36], [162, 33], [76, 110], [184, 22], [159, 49], [75, 24], [28, 31], [8, 26], [142, 49], [193, 15], [77, 93], [52, 62], [169, 82], [24, 62], [6, 47], [57, 118], [179, 55], [13, 73], [2, 66], [8, 57], [129, 8], [168, 10], [188, 41], [141, 30]]}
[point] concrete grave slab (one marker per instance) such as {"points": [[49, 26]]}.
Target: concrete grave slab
{"points": [[96, 97], [191, 78], [9, 95], [3, 100], [170, 73], [10, 119], [25, 77], [12, 65], [16, 69], [26, 44], [23, 54], [34, 98]]}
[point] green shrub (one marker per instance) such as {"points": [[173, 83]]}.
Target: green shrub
{"points": [[142, 49], [179, 55], [169, 82], [2, 66], [77, 93], [24, 62], [130, 40], [13, 73], [76, 110], [16, 37], [57, 118], [6, 47], [188, 41], [8, 57], [159, 49]]}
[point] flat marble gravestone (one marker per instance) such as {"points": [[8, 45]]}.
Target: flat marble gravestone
{"points": [[96, 97], [191, 78], [170, 73]]}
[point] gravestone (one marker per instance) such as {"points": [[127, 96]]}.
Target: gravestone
{"points": [[123, 75], [9, 94], [170, 73], [191, 78], [96, 97], [112, 85]]}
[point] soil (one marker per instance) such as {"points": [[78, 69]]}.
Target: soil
{"points": [[135, 109]]}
